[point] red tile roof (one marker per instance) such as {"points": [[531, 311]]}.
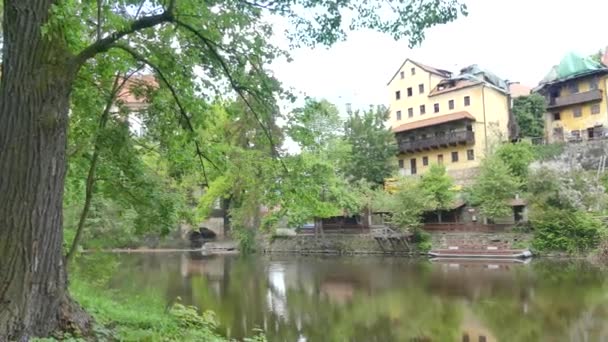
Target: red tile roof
{"points": [[518, 90], [433, 121]]}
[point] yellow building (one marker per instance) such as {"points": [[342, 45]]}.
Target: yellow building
{"points": [[576, 106], [451, 120]]}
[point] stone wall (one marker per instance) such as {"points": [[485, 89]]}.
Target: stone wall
{"points": [[481, 240], [584, 155], [365, 244], [330, 244]]}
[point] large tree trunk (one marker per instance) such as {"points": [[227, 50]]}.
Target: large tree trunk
{"points": [[34, 101]]}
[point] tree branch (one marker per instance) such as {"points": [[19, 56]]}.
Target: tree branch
{"points": [[212, 47], [106, 43], [182, 109]]}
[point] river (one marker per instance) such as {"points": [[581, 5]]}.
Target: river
{"points": [[305, 298]]}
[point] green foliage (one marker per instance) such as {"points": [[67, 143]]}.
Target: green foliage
{"points": [[148, 185], [316, 125], [547, 151], [517, 157], [141, 315], [566, 189], [494, 187], [408, 205], [245, 238], [529, 112], [438, 186], [372, 146], [565, 206], [422, 240], [566, 230]]}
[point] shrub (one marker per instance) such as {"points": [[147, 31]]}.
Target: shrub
{"points": [[565, 230], [422, 239]]}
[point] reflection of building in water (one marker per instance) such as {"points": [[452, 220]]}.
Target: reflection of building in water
{"points": [[211, 268], [473, 330], [338, 291]]}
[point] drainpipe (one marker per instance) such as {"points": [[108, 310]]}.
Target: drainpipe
{"points": [[485, 122]]}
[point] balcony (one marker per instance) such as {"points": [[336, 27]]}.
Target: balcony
{"points": [[573, 99], [449, 139]]}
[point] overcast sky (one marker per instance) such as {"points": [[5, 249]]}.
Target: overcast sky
{"points": [[516, 39]]}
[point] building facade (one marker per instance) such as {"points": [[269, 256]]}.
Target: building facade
{"points": [[575, 97], [439, 118]]}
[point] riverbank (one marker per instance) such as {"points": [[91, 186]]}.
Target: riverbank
{"points": [[346, 244]]}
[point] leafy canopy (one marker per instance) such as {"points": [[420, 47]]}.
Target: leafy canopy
{"points": [[529, 112], [372, 146]]}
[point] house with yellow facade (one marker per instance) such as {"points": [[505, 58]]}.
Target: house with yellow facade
{"points": [[575, 97], [441, 118]]}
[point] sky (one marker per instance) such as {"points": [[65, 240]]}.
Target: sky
{"points": [[517, 40]]}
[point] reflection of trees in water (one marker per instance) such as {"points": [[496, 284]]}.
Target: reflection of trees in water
{"points": [[374, 299], [563, 295]]}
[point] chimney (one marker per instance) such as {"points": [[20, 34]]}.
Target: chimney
{"points": [[605, 57]]}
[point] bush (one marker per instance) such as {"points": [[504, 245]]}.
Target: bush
{"points": [[422, 239], [547, 152], [565, 230]]}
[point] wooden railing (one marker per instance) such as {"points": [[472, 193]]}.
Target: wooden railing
{"points": [[572, 99], [466, 227], [452, 138]]}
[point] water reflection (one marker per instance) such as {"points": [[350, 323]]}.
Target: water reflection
{"points": [[380, 299]]}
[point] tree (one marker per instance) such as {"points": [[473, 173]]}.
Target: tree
{"points": [[408, 204], [494, 187], [372, 145], [529, 112], [437, 186], [517, 157], [47, 43], [316, 125]]}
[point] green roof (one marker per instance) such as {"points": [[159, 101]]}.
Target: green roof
{"points": [[572, 65]]}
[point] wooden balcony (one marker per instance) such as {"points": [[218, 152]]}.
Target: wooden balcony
{"points": [[449, 139], [573, 99]]}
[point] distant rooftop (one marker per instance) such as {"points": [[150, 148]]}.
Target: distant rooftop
{"points": [[571, 66]]}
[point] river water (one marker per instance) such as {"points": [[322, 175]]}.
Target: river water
{"points": [[297, 298]]}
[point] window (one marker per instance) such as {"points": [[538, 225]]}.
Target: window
{"points": [[413, 166], [451, 104], [402, 74], [469, 128], [470, 154], [467, 100], [557, 116], [454, 156], [577, 112], [410, 112], [409, 91], [425, 161], [421, 88], [595, 108], [482, 338], [593, 84], [413, 71], [440, 159], [576, 134], [398, 115], [465, 338], [573, 88], [397, 95], [422, 109], [436, 107], [401, 164]]}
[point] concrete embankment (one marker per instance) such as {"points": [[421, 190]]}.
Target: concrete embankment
{"points": [[365, 244]]}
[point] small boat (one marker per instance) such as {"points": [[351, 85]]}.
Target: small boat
{"points": [[489, 253], [482, 261]]}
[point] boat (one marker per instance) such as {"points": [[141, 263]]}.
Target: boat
{"points": [[483, 261], [489, 253]]}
